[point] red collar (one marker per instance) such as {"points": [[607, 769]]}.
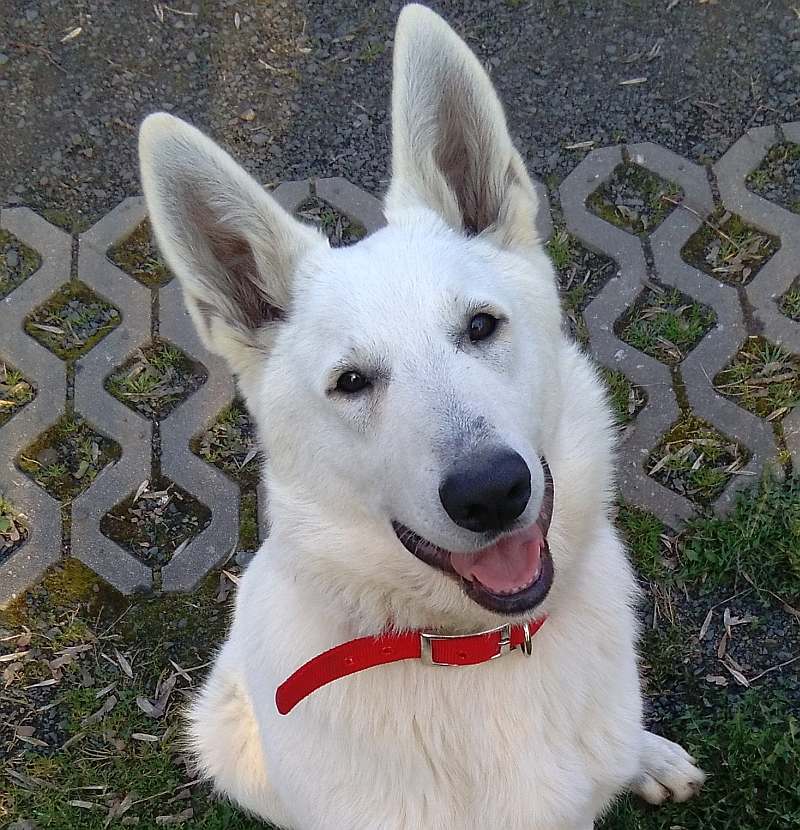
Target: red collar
{"points": [[432, 649]]}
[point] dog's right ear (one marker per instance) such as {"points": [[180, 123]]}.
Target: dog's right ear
{"points": [[233, 247]]}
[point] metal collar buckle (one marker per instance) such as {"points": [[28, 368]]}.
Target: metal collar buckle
{"points": [[504, 646]]}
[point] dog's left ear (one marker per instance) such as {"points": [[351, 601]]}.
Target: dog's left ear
{"points": [[451, 150]]}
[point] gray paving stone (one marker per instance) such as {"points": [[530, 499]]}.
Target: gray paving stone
{"points": [[719, 346], [778, 274], [47, 374], [109, 416], [352, 201], [116, 226], [218, 540], [661, 409]]}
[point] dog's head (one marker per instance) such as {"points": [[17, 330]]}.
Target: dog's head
{"points": [[406, 386]]}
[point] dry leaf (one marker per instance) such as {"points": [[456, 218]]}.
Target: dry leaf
{"points": [[737, 675], [142, 487], [706, 624], [7, 658], [178, 818], [72, 34], [723, 646], [124, 664], [144, 704]]}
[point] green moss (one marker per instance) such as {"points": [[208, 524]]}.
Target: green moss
{"points": [[248, 520], [665, 324], [15, 392], [138, 256], [71, 222], [695, 460], [762, 378], [730, 250], [27, 261], [156, 379], [759, 538], [67, 457], [634, 199], [72, 321]]}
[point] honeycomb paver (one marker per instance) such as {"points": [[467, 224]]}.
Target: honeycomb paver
{"points": [[48, 375], [656, 255], [619, 293], [776, 277], [110, 416]]}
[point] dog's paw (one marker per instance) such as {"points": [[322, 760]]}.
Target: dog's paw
{"points": [[668, 772]]}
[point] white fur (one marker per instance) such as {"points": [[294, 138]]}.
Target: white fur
{"points": [[540, 743]]}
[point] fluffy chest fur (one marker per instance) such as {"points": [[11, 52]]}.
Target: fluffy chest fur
{"points": [[538, 742]]}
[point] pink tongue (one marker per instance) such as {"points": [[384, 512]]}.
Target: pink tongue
{"points": [[505, 567]]}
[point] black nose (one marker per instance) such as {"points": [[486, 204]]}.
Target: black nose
{"points": [[487, 491]]}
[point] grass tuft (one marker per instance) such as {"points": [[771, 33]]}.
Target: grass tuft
{"points": [[665, 324], [762, 378], [695, 460], [759, 539]]}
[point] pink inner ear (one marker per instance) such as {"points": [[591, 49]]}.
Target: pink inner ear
{"points": [[238, 277]]}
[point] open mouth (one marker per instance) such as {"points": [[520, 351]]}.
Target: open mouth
{"points": [[510, 576]]}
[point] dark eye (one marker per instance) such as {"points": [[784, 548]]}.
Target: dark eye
{"points": [[351, 382], [481, 326]]}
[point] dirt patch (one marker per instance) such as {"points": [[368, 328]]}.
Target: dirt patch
{"points": [[138, 256], [155, 521], [729, 249], [17, 263], [15, 392], [231, 444], [634, 199], [340, 229], [72, 321], [13, 529], [582, 274], [67, 458], [763, 378], [777, 178]]}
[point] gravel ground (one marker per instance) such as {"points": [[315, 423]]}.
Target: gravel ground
{"points": [[302, 87]]}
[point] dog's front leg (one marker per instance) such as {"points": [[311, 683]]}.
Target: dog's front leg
{"points": [[667, 771]]}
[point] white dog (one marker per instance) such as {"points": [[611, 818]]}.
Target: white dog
{"points": [[440, 460]]}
